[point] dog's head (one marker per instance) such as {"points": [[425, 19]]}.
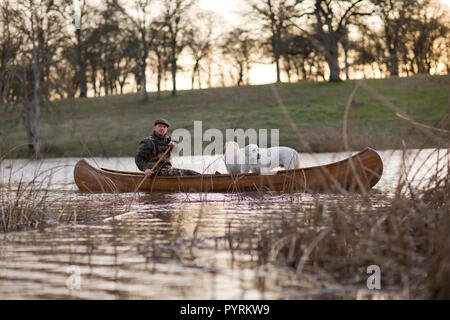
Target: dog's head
{"points": [[252, 153]]}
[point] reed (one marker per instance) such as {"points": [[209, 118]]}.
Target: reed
{"points": [[23, 205], [30, 203], [325, 249]]}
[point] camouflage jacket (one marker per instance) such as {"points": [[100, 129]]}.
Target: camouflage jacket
{"points": [[150, 151]]}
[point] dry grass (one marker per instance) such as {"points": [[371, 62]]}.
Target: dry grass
{"points": [[323, 251], [26, 205], [22, 206]]}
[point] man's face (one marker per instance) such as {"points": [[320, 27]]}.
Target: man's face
{"points": [[161, 129]]}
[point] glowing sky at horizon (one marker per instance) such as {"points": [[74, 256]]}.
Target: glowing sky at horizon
{"points": [[228, 12], [259, 73]]}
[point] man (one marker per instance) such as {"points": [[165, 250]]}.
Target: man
{"points": [[153, 147]]}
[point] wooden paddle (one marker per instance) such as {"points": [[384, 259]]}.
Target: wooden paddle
{"points": [[154, 167]]}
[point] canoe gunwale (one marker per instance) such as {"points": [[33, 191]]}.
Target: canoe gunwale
{"points": [[290, 171], [366, 170]]}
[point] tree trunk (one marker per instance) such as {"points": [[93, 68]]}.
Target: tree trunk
{"points": [[105, 81], [334, 69], [33, 130], [94, 80], [122, 83], [240, 75], [392, 61], [210, 75], [82, 66], [329, 43], [393, 64], [347, 76], [305, 76], [158, 94], [288, 72], [277, 61], [37, 123], [144, 80], [160, 71], [174, 76], [36, 152], [27, 124], [194, 71]]}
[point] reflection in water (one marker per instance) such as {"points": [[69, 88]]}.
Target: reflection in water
{"points": [[156, 246], [162, 250]]}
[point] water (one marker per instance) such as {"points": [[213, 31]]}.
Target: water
{"points": [[163, 245]]}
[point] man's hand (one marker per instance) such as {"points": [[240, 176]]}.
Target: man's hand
{"points": [[148, 172], [172, 144]]}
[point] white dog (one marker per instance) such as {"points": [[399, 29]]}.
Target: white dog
{"points": [[235, 158], [263, 160]]}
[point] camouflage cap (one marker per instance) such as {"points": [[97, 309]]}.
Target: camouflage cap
{"points": [[162, 121]]}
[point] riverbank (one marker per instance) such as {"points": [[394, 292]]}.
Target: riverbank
{"points": [[310, 117]]}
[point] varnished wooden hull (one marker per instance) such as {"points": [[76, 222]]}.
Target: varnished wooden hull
{"points": [[354, 174]]}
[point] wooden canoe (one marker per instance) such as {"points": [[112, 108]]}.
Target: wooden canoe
{"points": [[357, 173]]}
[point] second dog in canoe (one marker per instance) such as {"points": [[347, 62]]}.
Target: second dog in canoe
{"points": [[259, 160]]}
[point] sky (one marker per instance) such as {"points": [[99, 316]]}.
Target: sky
{"points": [[220, 6]]}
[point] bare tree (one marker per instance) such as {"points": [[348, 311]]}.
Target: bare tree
{"points": [[105, 50], [396, 18], [428, 33], [297, 54], [161, 52], [9, 48], [199, 39], [239, 48], [140, 20], [176, 21], [102, 41], [276, 16], [332, 20], [82, 19], [368, 52], [83, 14], [40, 23]]}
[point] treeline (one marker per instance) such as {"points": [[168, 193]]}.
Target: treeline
{"points": [[55, 49], [392, 37]]}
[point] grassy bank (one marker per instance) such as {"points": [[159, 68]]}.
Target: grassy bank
{"points": [[310, 116]]}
